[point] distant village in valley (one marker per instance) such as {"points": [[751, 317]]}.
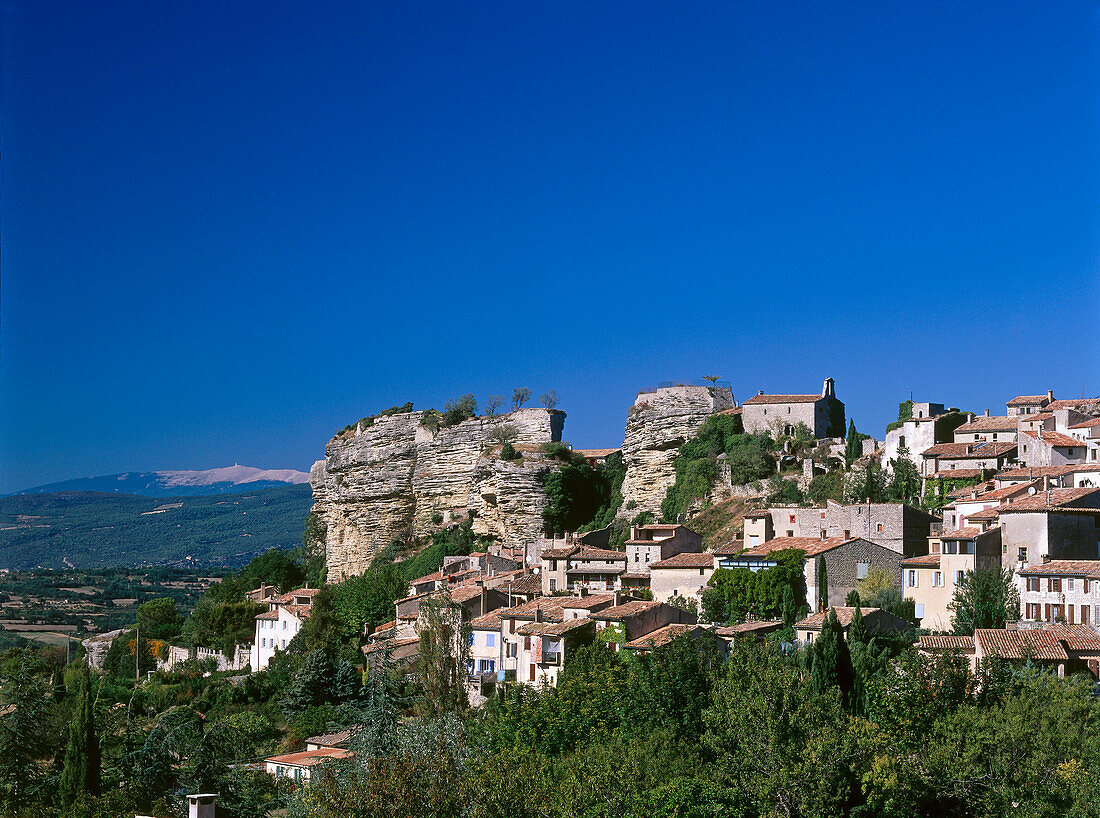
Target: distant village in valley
{"points": [[464, 563]]}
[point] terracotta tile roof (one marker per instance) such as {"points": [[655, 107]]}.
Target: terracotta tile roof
{"points": [[968, 533], [330, 739], [373, 647], [309, 758], [596, 452], [1028, 473], [1065, 568], [1078, 638], [923, 561], [1027, 400], [730, 549], [761, 512], [1028, 644], [524, 584], [969, 451], [552, 607], [560, 553], [553, 628], [1086, 424], [587, 553], [414, 596], [459, 593], [385, 626], [659, 637], [965, 491], [596, 569], [985, 514], [436, 577], [843, 614], [288, 597], [685, 560], [490, 621], [268, 615], [1074, 403], [1056, 439], [660, 526], [812, 546], [963, 644], [634, 606], [1079, 499], [760, 399], [634, 575], [300, 611], [1004, 493], [991, 424], [764, 625]]}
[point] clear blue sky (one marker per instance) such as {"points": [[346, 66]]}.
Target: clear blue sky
{"points": [[231, 228]]}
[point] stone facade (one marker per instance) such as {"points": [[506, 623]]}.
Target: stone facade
{"points": [[779, 414], [391, 477], [657, 425], [895, 526]]}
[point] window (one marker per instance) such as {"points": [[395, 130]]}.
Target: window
{"points": [[1021, 555], [1069, 584], [754, 539], [553, 565], [790, 533], [911, 578], [847, 534], [553, 585], [490, 640], [901, 442], [1033, 583], [647, 558], [792, 519], [861, 569], [959, 577], [701, 570], [470, 639], [823, 515], [637, 557], [951, 547], [1054, 584], [823, 533], [1033, 611], [527, 644], [879, 528]]}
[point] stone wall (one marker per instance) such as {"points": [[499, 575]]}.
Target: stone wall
{"points": [[657, 425], [393, 476]]}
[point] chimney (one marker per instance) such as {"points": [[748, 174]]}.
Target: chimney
{"points": [[827, 388], [761, 392], [538, 614], [482, 611], [616, 599], [201, 805], [1050, 396], [987, 413]]}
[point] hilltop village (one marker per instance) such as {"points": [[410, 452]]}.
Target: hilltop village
{"points": [[476, 577]]}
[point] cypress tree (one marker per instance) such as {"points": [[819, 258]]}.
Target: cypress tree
{"points": [[853, 600], [857, 631], [832, 663], [852, 450], [789, 607], [80, 772], [822, 585]]}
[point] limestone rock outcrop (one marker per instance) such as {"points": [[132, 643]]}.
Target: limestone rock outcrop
{"points": [[393, 476], [659, 422]]}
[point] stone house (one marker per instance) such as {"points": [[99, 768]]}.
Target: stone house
{"points": [[930, 580], [983, 455], [1054, 524], [1029, 404], [959, 513], [537, 636], [847, 561], [1048, 448], [635, 618], [988, 429], [916, 434], [1060, 591], [895, 526], [681, 575], [1060, 647], [665, 635], [777, 415], [808, 630]]}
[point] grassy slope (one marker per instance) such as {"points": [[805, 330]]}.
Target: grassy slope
{"points": [[95, 530], [719, 523]]}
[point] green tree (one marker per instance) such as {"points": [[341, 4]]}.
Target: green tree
{"points": [[782, 491], [822, 584], [905, 480], [853, 446], [520, 396], [825, 487], [80, 772], [159, 619], [444, 653], [852, 600], [23, 737], [832, 663], [985, 598], [458, 410]]}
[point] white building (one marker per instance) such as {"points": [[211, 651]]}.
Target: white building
{"points": [[279, 624]]}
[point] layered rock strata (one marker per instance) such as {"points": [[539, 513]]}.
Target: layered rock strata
{"points": [[393, 476], [657, 425]]}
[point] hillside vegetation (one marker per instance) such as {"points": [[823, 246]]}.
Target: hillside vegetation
{"points": [[99, 530]]}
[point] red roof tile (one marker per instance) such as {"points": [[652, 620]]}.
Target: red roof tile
{"points": [[1064, 568], [629, 608], [1027, 400], [685, 560], [922, 561], [761, 399], [308, 758], [1086, 424], [947, 642], [968, 533], [991, 424], [969, 451], [1027, 644], [659, 637], [812, 546], [1079, 499]]}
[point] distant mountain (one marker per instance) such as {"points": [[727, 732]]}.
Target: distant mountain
{"points": [[228, 480], [85, 529]]}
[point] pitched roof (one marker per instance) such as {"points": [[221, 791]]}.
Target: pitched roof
{"points": [[947, 642], [985, 514], [1027, 400], [1031, 472], [968, 533], [659, 637], [1057, 439], [526, 584], [289, 596], [1086, 424], [560, 553], [843, 614], [957, 474], [1076, 637], [1074, 403], [489, 621], [268, 615], [553, 628], [1070, 568], [755, 626], [1079, 499], [330, 739], [922, 561], [989, 424], [758, 399], [686, 559], [437, 577], [587, 553], [308, 758], [1028, 644], [1002, 493], [812, 546], [586, 602], [969, 451], [630, 608]]}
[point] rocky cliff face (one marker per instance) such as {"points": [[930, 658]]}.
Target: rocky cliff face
{"points": [[393, 476], [657, 425]]}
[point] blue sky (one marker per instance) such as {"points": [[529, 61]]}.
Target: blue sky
{"points": [[231, 228]]}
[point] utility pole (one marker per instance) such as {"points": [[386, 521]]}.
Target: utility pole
{"points": [[137, 655]]}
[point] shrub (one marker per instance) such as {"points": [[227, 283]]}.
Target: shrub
{"points": [[458, 410], [508, 452]]}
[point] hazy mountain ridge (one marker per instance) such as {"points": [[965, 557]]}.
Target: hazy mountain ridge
{"points": [[85, 529], [180, 483]]}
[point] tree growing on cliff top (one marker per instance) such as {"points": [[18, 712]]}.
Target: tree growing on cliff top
{"points": [[493, 404], [459, 409], [549, 399], [520, 396]]}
